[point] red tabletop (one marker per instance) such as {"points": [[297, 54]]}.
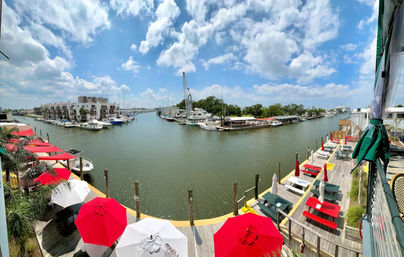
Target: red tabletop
{"points": [[326, 207], [312, 167]]}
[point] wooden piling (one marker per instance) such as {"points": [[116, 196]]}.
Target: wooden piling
{"points": [[318, 246], [257, 178], [68, 164], [307, 153], [191, 210], [40, 133], [35, 130], [315, 149], [137, 198], [235, 205], [106, 183], [297, 156], [81, 168], [279, 173], [47, 135]]}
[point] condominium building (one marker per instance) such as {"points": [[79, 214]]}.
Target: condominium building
{"points": [[86, 108]]}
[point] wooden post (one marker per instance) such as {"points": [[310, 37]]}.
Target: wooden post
{"points": [[191, 211], [278, 222], [303, 236], [318, 246], [106, 183], [257, 178], [290, 230], [297, 156], [307, 153], [40, 133], [68, 164], [336, 251], [81, 168], [35, 130], [360, 174], [315, 149], [235, 205], [279, 173], [137, 198], [47, 135]]}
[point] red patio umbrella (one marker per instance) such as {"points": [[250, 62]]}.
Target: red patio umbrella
{"points": [[322, 144], [297, 169], [325, 178], [101, 221], [331, 136], [345, 141], [24, 133], [248, 235], [47, 178]]}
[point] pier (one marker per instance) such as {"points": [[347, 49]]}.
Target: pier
{"points": [[59, 237]]}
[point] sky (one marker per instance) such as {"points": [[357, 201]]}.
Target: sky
{"points": [[316, 53]]}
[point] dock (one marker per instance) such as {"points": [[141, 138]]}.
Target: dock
{"points": [[59, 236]]}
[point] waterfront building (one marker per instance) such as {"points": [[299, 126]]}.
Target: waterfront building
{"points": [[393, 118], [85, 109]]}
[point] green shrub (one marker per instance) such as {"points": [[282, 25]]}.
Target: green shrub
{"points": [[30, 247], [354, 214], [353, 194]]}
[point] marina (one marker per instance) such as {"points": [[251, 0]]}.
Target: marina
{"points": [[149, 151]]}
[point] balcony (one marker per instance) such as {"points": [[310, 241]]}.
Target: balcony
{"points": [[383, 228]]}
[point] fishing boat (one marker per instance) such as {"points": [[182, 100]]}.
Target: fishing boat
{"points": [[116, 121], [170, 119], [275, 123], [69, 124]]}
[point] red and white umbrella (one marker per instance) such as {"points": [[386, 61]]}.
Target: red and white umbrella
{"points": [[248, 235], [101, 221]]}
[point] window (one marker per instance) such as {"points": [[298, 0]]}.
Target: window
{"points": [[400, 115], [390, 116]]}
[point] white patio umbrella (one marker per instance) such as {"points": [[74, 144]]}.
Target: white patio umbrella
{"points": [[70, 192], [321, 198], [327, 140], [152, 237], [274, 189], [312, 156]]}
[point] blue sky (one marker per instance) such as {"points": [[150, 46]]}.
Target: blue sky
{"points": [[315, 52]]}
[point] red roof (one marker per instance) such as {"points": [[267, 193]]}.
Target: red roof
{"points": [[63, 156], [267, 118]]}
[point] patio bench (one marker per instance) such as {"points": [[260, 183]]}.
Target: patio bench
{"points": [[327, 223], [308, 172], [268, 210], [294, 189], [327, 197]]}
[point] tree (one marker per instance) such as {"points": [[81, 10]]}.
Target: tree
{"points": [[22, 211], [254, 110], [181, 104], [275, 110], [83, 112]]}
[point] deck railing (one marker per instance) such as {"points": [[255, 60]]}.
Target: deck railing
{"points": [[316, 247], [383, 228]]}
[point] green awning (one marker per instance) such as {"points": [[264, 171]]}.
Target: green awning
{"points": [[2, 151], [373, 144]]}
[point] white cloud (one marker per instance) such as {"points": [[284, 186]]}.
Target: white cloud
{"points": [[222, 59], [33, 76], [150, 98], [166, 13], [131, 65], [367, 2], [79, 19], [47, 37], [132, 7], [375, 11], [133, 47], [349, 47]]}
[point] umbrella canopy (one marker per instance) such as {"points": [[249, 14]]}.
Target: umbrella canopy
{"points": [[321, 198], [47, 178], [24, 133], [331, 136], [297, 169], [43, 149], [322, 144], [152, 237], [248, 235], [38, 142], [325, 178], [326, 141], [69, 193], [63, 157], [274, 189], [101, 221]]}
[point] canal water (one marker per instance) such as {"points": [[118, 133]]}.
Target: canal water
{"points": [[167, 159]]}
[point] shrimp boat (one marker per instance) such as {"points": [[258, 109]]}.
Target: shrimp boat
{"points": [[74, 164]]}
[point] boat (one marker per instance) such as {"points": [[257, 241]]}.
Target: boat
{"points": [[275, 123], [74, 164], [116, 121], [170, 119], [69, 124], [91, 125], [104, 124], [207, 126]]}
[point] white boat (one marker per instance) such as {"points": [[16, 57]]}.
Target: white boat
{"points": [[275, 123], [207, 126], [198, 115], [69, 124], [90, 126], [104, 124], [74, 164]]}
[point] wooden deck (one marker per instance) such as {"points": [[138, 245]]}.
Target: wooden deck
{"points": [[58, 236]]}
